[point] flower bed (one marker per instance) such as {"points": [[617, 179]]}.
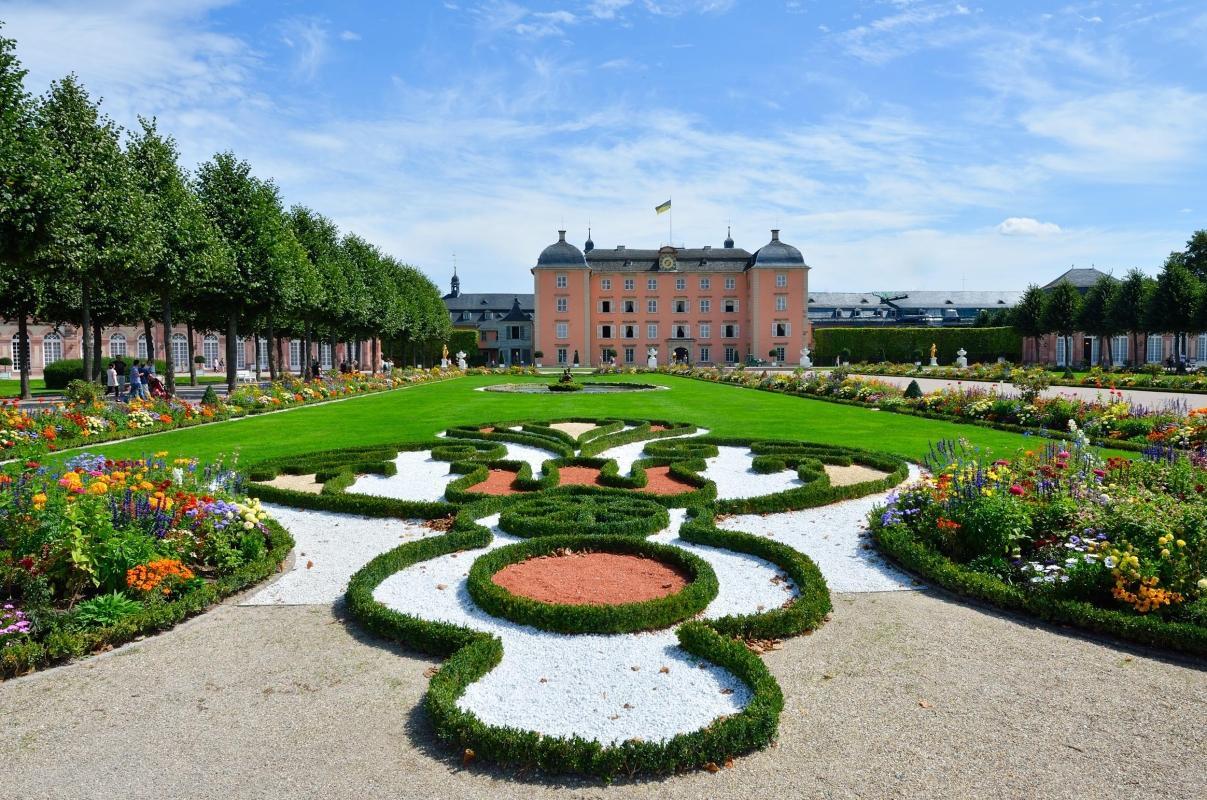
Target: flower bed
{"points": [[1112, 422], [1153, 376], [30, 433], [1116, 546], [104, 551]]}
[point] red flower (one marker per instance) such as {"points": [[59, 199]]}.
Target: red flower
{"points": [[1016, 490]]}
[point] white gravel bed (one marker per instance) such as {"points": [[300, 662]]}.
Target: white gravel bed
{"points": [[533, 455], [731, 471], [748, 584], [329, 548], [626, 454], [605, 688], [419, 477], [836, 538]]}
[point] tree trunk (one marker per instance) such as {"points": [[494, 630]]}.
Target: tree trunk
{"points": [[232, 333], [169, 363], [270, 347], [188, 333], [23, 354], [334, 352], [255, 344], [86, 325], [373, 366], [149, 333], [96, 347], [306, 337]]}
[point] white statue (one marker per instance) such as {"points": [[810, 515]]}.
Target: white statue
{"points": [[651, 358], [805, 361], [961, 358], [461, 360]]}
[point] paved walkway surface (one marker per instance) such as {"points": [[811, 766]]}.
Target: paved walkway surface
{"points": [[1141, 397], [901, 694]]}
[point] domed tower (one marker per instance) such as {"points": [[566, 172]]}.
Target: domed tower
{"points": [[561, 302], [728, 238], [455, 284], [778, 283]]}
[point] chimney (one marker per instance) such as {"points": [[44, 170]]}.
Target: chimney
{"points": [[561, 236], [620, 247], [708, 247], [775, 234]]}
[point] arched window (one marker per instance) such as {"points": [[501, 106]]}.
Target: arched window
{"points": [[1119, 351], [117, 345], [180, 352], [262, 352], [325, 355], [1156, 349], [1062, 357], [142, 347], [241, 354], [1200, 354], [209, 349], [52, 349], [295, 353], [16, 351]]}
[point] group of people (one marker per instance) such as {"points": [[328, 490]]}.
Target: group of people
{"points": [[139, 381]]}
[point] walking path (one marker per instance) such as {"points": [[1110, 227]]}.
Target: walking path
{"points": [[1149, 398]]}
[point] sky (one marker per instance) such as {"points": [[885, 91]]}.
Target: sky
{"points": [[900, 144]]}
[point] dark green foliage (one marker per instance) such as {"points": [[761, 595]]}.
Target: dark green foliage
{"points": [[570, 386], [463, 340], [586, 618], [210, 397], [104, 610], [913, 391], [899, 344], [66, 370], [584, 514]]}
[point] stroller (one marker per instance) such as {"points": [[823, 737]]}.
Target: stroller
{"points": [[156, 387]]}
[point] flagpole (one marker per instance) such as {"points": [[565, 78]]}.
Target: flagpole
{"points": [[670, 222]]}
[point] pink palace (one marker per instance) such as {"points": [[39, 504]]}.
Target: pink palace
{"points": [[705, 305]]}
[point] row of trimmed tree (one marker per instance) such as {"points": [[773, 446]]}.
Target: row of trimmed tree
{"points": [[1175, 302], [100, 227]]}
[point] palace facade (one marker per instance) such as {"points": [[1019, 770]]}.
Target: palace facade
{"points": [[705, 305]]}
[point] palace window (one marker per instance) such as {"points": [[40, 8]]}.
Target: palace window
{"points": [[651, 306], [705, 354], [180, 352], [682, 331], [705, 330], [781, 280], [629, 332], [52, 349], [142, 347], [262, 352], [651, 331], [680, 284], [731, 355], [562, 355], [629, 284], [630, 355], [1156, 349], [605, 306], [1119, 350], [562, 330], [780, 329], [705, 305], [209, 349], [295, 353], [605, 284], [729, 331], [705, 283], [731, 283], [652, 284], [16, 351], [779, 354], [563, 304], [561, 282], [605, 331], [117, 345], [730, 305], [680, 306], [240, 352], [1062, 351], [781, 302], [630, 306]]}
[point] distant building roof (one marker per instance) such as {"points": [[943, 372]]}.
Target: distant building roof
{"points": [[1081, 278], [561, 254], [489, 301], [688, 259], [924, 298]]}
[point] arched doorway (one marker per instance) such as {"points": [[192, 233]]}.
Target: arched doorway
{"points": [[680, 355]]}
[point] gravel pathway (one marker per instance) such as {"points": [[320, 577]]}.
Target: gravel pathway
{"points": [[419, 477], [731, 470], [1150, 398]]}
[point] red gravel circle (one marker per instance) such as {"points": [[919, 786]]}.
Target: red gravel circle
{"points": [[601, 579], [498, 482]]}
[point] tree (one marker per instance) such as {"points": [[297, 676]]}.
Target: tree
{"points": [[106, 239], [1175, 303], [1195, 256], [1062, 309], [1096, 319], [1129, 308], [237, 205], [34, 199], [1029, 315], [319, 238], [191, 259]]}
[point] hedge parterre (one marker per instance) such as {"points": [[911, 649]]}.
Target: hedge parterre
{"points": [[615, 517]]}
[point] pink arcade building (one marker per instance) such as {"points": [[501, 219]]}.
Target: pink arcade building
{"points": [[706, 305]]}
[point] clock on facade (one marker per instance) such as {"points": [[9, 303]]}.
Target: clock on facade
{"points": [[667, 262]]}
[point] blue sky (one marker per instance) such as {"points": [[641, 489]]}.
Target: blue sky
{"points": [[899, 144]]}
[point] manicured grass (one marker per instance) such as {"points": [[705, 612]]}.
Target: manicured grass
{"points": [[419, 412], [11, 387]]}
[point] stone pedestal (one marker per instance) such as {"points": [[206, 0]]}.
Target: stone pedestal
{"points": [[961, 358], [934, 362]]}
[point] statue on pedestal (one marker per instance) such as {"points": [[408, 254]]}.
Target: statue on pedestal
{"points": [[805, 361], [444, 357], [934, 360], [961, 358], [651, 358], [461, 360]]}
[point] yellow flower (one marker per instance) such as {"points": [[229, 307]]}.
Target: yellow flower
{"points": [[98, 487]]}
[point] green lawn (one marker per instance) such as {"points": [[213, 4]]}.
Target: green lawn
{"points": [[421, 411], [11, 387]]}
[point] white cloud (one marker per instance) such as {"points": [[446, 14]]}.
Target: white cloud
{"points": [[349, 36], [308, 38], [1027, 226]]}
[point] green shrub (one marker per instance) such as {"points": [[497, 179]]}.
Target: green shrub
{"points": [[569, 386], [989, 526], [83, 392], [913, 391], [900, 344], [63, 371], [105, 610], [210, 397]]}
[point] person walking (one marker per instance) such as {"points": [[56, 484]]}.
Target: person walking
{"points": [[144, 387], [135, 381], [111, 380]]}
